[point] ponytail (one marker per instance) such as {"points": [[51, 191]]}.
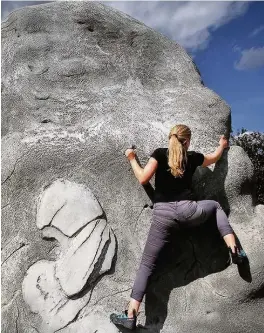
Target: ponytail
{"points": [[177, 158]]}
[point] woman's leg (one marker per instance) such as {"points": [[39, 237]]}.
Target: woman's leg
{"points": [[163, 222], [238, 255], [194, 213], [208, 208]]}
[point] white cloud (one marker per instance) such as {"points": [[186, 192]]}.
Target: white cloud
{"points": [[188, 23], [256, 31], [251, 59]]}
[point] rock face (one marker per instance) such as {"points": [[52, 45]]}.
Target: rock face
{"points": [[49, 285], [68, 207], [81, 82]]}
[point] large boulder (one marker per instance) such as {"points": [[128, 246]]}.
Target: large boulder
{"points": [[81, 82]]}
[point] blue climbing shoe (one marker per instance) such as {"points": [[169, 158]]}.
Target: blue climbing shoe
{"points": [[239, 257], [123, 320]]}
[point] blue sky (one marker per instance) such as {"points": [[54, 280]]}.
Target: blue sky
{"points": [[233, 66], [226, 40]]}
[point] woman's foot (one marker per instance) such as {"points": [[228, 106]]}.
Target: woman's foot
{"points": [[238, 256], [124, 320]]}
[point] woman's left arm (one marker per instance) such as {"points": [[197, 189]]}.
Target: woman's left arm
{"points": [[143, 175]]}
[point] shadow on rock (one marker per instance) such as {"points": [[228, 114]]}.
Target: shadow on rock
{"points": [[244, 268]]}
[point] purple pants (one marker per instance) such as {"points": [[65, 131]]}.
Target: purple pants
{"points": [[166, 217]]}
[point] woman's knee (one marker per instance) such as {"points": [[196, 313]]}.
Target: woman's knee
{"points": [[216, 204], [209, 208]]}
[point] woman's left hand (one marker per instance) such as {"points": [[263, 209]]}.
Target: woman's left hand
{"points": [[130, 153]]}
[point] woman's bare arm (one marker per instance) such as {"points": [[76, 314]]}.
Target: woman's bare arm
{"points": [[143, 175], [215, 156]]}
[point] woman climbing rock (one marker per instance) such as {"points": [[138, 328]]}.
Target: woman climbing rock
{"points": [[174, 207]]}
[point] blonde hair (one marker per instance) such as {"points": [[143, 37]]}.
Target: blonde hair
{"points": [[177, 158]]}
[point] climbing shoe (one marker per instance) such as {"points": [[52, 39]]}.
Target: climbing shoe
{"points": [[123, 320], [239, 257]]}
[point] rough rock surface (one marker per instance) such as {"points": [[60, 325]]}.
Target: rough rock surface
{"points": [[49, 286], [68, 207], [72, 270], [80, 82], [44, 295]]}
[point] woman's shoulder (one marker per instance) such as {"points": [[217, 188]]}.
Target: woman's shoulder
{"points": [[162, 151], [159, 153], [196, 157]]}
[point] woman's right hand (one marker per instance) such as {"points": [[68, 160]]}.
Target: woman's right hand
{"points": [[223, 142]]}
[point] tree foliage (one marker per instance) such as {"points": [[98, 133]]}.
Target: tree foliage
{"points": [[253, 144]]}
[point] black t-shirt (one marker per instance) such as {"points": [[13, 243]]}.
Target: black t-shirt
{"points": [[170, 188]]}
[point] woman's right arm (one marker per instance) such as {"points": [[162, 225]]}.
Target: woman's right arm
{"points": [[143, 175], [215, 156]]}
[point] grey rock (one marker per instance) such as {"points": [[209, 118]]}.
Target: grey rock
{"points": [[108, 259], [42, 292], [75, 266], [11, 247], [48, 285], [51, 233], [97, 322], [80, 83], [67, 206]]}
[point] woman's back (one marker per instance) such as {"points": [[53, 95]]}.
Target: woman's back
{"points": [[169, 188]]}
